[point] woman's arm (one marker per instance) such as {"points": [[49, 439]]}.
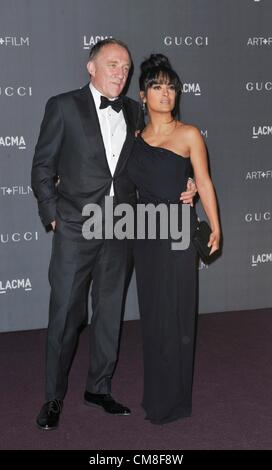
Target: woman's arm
{"points": [[198, 156]]}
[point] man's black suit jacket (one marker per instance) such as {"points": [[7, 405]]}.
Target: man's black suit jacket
{"points": [[70, 147]]}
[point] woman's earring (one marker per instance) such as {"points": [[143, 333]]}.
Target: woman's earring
{"points": [[143, 106]]}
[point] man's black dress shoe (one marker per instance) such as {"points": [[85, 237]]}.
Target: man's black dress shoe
{"points": [[48, 417], [106, 402]]}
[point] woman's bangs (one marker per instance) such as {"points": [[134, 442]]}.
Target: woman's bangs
{"points": [[164, 77]]}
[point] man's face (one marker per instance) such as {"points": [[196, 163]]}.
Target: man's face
{"points": [[109, 70]]}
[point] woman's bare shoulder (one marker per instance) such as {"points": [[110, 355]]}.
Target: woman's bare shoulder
{"points": [[188, 131]]}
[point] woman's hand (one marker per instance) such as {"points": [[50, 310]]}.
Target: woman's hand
{"points": [[214, 241]]}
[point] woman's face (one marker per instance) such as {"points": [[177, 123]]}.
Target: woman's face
{"points": [[161, 97]]}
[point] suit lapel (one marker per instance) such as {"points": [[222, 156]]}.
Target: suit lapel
{"points": [[126, 149], [91, 126]]}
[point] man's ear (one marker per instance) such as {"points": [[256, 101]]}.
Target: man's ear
{"points": [[91, 68]]}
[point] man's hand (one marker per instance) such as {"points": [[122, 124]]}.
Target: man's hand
{"points": [[53, 225], [187, 196]]}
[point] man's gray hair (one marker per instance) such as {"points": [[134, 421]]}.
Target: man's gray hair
{"points": [[98, 46]]}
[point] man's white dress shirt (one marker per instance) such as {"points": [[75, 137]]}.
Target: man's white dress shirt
{"points": [[113, 129]]}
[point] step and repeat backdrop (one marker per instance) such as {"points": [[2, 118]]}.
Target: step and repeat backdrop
{"points": [[222, 50]]}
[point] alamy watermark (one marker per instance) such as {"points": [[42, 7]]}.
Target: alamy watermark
{"points": [[140, 222]]}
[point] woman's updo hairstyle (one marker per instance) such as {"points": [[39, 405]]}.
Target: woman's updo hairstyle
{"points": [[157, 69]]}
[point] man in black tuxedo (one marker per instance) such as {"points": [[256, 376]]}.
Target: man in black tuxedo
{"points": [[85, 140]]}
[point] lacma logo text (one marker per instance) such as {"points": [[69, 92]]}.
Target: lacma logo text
{"points": [[191, 88], [260, 131], [15, 284], [90, 41], [13, 141], [261, 258]]}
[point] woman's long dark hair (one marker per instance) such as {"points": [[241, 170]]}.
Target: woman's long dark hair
{"points": [[157, 69]]}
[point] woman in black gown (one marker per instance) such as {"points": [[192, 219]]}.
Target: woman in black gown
{"points": [[167, 279]]}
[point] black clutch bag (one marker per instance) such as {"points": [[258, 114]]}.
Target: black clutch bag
{"points": [[201, 239]]}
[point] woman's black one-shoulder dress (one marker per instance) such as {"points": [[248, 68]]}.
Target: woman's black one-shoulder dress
{"points": [[167, 289]]}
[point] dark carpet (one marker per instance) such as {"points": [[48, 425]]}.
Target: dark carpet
{"points": [[231, 400]]}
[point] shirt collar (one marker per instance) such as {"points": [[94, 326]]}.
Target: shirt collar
{"points": [[97, 96]]}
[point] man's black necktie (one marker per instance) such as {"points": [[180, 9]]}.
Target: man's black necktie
{"points": [[115, 104]]}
